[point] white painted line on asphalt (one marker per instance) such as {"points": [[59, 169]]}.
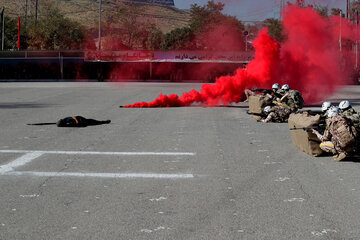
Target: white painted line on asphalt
{"points": [[103, 153], [28, 157], [8, 169], [101, 175]]}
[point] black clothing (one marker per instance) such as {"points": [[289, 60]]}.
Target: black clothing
{"points": [[79, 121]]}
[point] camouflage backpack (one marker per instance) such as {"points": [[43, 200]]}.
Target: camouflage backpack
{"points": [[281, 113], [344, 133], [353, 116], [298, 99]]}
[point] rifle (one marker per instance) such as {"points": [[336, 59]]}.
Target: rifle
{"points": [[261, 90], [308, 129], [256, 114], [40, 124], [267, 91], [311, 112]]}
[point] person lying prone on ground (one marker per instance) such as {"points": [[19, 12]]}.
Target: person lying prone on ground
{"points": [[276, 114], [79, 121]]}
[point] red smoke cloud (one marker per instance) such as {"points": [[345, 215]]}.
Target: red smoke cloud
{"points": [[309, 60]]}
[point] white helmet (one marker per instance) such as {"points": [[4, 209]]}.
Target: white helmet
{"points": [[285, 87], [275, 86], [267, 109], [333, 111], [344, 104], [325, 106]]}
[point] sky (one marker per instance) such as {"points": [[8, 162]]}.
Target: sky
{"points": [[257, 10]]}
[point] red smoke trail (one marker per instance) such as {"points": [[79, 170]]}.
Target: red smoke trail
{"points": [[228, 89], [309, 60]]}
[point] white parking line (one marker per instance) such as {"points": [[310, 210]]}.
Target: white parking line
{"points": [[29, 155], [101, 175], [104, 153], [19, 161]]}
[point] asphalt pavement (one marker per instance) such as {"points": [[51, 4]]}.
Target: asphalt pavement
{"points": [[162, 173]]}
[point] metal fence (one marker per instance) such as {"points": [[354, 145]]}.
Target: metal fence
{"points": [[59, 65]]}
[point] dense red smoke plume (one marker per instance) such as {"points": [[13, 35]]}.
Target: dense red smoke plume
{"points": [[309, 60]]}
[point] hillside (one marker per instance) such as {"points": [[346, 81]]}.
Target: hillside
{"points": [[86, 11]]}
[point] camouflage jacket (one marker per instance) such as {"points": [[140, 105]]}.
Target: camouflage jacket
{"points": [[351, 114], [279, 93], [294, 100], [341, 133], [289, 100], [278, 114]]}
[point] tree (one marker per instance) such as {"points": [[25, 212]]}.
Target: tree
{"points": [[354, 9], [154, 39], [52, 31], [203, 17], [322, 10], [179, 38], [130, 28], [336, 12], [214, 30], [275, 29], [11, 33]]}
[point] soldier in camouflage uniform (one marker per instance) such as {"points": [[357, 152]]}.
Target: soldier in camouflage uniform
{"points": [[271, 93], [347, 111], [292, 98], [324, 109], [339, 137], [276, 114]]}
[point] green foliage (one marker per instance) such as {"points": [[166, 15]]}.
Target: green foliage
{"points": [[336, 12], [52, 31], [131, 26], [203, 17], [322, 10], [208, 21], [354, 9], [275, 29], [179, 38], [129, 30], [355, 5], [154, 39], [11, 33]]}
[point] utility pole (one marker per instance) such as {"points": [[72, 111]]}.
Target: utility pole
{"points": [[26, 11], [340, 33], [99, 48], [3, 28], [36, 10], [282, 4], [356, 41]]}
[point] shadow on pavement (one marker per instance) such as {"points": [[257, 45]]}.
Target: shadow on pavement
{"points": [[353, 158], [22, 105]]}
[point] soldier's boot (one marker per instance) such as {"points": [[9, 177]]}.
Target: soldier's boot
{"points": [[340, 156]]}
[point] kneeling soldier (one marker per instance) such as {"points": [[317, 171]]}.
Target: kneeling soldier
{"points": [[339, 137], [346, 110]]}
